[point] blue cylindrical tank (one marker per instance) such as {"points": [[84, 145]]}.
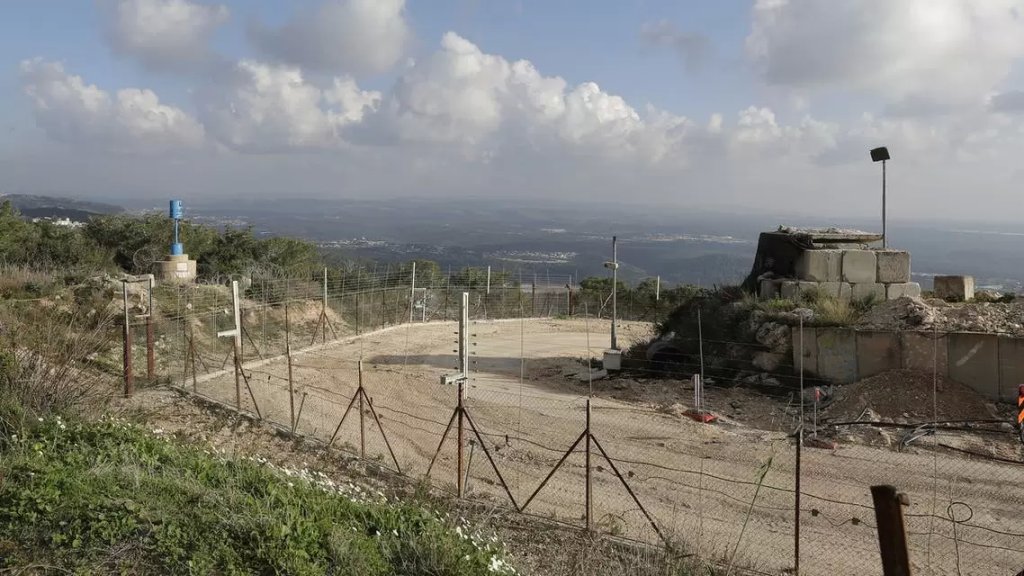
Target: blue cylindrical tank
{"points": [[176, 209]]}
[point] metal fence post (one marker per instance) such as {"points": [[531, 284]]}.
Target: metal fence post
{"points": [[150, 344], [129, 379], [362, 416], [460, 440], [588, 495], [796, 502], [288, 355]]}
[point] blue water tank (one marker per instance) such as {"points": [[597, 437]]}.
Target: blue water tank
{"points": [[176, 210]]}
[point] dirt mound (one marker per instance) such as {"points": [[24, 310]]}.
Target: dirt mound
{"points": [[906, 395], [917, 314]]}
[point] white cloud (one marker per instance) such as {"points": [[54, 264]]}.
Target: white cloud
{"points": [[268, 107], [917, 54], [465, 97], [163, 34], [72, 111], [341, 36]]}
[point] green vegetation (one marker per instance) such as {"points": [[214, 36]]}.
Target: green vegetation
{"points": [[110, 498]]}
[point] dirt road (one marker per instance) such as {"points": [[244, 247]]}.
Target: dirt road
{"points": [[722, 491]]}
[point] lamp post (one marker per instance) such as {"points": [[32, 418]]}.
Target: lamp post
{"points": [[614, 266], [881, 154]]}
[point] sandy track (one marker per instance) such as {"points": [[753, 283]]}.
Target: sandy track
{"points": [[697, 481]]}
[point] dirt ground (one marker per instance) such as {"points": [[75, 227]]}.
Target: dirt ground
{"points": [[723, 491]]}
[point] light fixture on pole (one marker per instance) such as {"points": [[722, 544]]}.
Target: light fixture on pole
{"points": [[881, 154]]}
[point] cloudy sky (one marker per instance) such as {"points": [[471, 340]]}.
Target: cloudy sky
{"points": [[742, 105]]}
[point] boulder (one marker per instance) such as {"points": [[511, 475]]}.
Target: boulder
{"points": [[774, 336]]}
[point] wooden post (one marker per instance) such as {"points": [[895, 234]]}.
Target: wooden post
{"points": [[461, 439], [892, 537], [362, 420], [588, 496]]}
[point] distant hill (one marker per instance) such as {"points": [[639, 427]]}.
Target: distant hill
{"points": [[32, 206]]}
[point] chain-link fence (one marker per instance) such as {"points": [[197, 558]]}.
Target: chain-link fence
{"points": [[359, 364]]}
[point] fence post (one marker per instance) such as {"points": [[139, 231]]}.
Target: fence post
{"points": [[412, 292], [796, 501], [150, 344], [362, 420], [323, 310], [892, 537], [460, 439], [288, 354], [588, 498], [129, 379]]}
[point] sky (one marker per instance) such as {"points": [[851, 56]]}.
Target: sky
{"points": [[735, 105]]}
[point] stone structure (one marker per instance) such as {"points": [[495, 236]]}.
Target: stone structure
{"points": [[958, 288], [835, 262]]}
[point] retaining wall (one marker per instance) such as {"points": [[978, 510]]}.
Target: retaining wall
{"points": [[991, 364]]}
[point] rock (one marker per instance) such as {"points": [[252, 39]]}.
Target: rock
{"points": [[774, 336], [768, 361]]}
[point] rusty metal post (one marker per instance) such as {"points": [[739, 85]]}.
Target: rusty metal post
{"points": [[129, 379], [362, 416], [150, 344], [461, 438], [892, 536], [588, 497], [238, 375]]}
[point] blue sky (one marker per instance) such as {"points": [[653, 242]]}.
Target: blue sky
{"points": [[735, 104]]}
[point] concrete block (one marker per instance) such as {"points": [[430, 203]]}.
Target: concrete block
{"points": [[869, 290], [820, 265], [859, 267], [894, 291], [960, 288], [923, 351], [1011, 367], [974, 361], [893, 266], [877, 352], [830, 289], [837, 354], [845, 291], [791, 289], [769, 289], [810, 349]]}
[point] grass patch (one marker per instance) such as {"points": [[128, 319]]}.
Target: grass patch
{"points": [[108, 497]]}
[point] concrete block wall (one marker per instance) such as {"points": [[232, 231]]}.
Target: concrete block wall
{"points": [[991, 364], [848, 274]]}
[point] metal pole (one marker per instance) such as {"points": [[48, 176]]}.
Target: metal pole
{"points": [[412, 292], [883, 206], [464, 335], [588, 494], [150, 343], [801, 423], [615, 290], [129, 379], [324, 310], [892, 536], [362, 418], [657, 289], [488, 280], [796, 503], [291, 382], [700, 345], [237, 343], [461, 438]]}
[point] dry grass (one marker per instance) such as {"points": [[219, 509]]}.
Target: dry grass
{"points": [[25, 281]]}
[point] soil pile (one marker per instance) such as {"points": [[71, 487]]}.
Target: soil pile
{"points": [[917, 314], [906, 396]]}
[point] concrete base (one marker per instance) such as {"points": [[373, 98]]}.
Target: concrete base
{"points": [[613, 359], [177, 268], [869, 290], [893, 266], [959, 288], [819, 265], [910, 289]]}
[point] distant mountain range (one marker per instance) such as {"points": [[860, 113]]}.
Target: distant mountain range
{"points": [[33, 206]]}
